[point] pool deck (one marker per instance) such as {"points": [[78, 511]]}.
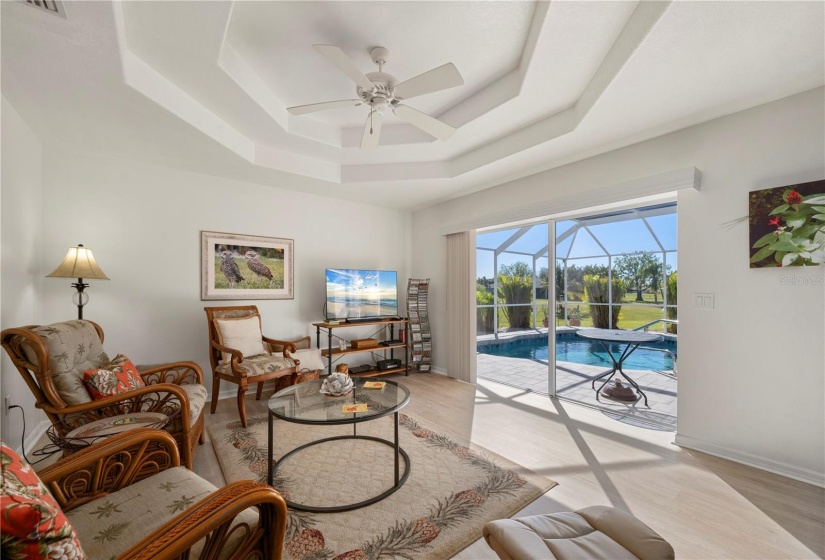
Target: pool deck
{"points": [[573, 383]]}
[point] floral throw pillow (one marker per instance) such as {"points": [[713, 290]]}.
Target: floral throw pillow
{"points": [[33, 525], [118, 376]]}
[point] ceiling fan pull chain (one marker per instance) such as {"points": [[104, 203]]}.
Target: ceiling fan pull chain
{"points": [[371, 112]]}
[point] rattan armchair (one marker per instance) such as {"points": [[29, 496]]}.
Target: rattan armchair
{"points": [[52, 359], [144, 464], [243, 372]]}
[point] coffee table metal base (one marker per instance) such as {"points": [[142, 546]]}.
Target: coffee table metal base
{"points": [[336, 509]]}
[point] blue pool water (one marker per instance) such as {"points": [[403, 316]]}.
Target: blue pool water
{"points": [[590, 352]]}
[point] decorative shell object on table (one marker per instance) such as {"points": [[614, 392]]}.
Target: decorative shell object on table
{"points": [[337, 385]]}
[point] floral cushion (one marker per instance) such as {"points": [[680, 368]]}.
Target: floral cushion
{"points": [[33, 524], [116, 377], [114, 523], [257, 365], [73, 347]]}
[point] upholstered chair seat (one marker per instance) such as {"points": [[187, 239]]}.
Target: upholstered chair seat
{"points": [[595, 533], [258, 365], [127, 497]]}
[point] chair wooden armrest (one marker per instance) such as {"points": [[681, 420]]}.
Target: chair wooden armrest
{"points": [[110, 465], [215, 516], [288, 346], [236, 354], [178, 373]]}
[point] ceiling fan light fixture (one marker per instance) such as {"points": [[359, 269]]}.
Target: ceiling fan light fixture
{"points": [[380, 90]]}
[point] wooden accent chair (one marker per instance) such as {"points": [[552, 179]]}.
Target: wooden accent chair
{"points": [[246, 366], [53, 358], [140, 472]]}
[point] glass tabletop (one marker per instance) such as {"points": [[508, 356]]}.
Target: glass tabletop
{"points": [[305, 404], [619, 335]]}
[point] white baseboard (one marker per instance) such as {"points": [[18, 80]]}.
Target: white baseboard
{"points": [[762, 463]]}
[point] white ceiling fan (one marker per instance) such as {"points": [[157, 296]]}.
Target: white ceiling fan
{"points": [[382, 91]]}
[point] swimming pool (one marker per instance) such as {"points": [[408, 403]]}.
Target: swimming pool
{"points": [[577, 350]]}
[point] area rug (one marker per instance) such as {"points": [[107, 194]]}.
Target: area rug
{"points": [[452, 490]]}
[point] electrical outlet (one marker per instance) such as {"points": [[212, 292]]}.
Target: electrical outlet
{"points": [[6, 404]]}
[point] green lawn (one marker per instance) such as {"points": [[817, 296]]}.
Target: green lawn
{"points": [[250, 279], [629, 297], [630, 317]]}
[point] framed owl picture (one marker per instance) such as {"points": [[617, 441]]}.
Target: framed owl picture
{"points": [[235, 266]]}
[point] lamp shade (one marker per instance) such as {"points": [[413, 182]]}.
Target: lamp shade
{"points": [[79, 263]]}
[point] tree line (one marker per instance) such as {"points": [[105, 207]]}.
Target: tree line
{"points": [[639, 272]]}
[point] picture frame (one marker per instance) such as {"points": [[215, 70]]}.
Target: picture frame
{"points": [[787, 225], [240, 267]]}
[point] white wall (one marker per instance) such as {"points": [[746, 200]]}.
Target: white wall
{"points": [[751, 375], [143, 223], [20, 257]]}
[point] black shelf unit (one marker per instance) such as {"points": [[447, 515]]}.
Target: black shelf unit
{"points": [[383, 329]]}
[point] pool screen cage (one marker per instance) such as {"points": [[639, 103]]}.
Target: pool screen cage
{"points": [[611, 271]]}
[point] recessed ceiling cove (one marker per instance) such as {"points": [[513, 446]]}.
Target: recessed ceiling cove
{"points": [[206, 85]]}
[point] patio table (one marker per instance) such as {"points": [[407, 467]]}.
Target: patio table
{"points": [[631, 338]]}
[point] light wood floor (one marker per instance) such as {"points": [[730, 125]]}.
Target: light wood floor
{"points": [[704, 506]]}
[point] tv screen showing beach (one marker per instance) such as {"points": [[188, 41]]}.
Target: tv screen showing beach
{"points": [[361, 293]]}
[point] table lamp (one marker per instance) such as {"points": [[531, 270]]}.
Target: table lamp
{"points": [[79, 263]]}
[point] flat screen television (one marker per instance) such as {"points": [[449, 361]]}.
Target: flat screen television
{"points": [[361, 293]]}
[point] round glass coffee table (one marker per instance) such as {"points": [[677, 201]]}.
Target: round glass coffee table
{"points": [[305, 404]]}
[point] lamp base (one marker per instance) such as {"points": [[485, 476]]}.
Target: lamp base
{"points": [[80, 298]]}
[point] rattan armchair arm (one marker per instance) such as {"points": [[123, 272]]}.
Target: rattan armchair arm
{"points": [[179, 373], [110, 465], [125, 403], [213, 519]]}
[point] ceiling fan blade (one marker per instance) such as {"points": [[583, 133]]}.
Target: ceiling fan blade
{"points": [[345, 65], [315, 107], [372, 131], [425, 122], [443, 77]]}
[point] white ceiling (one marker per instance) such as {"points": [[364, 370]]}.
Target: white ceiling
{"points": [[205, 85]]}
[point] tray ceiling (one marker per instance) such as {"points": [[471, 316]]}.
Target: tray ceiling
{"points": [[205, 85]]}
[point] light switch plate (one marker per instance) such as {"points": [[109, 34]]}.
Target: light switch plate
{"points": [[703, 301]]}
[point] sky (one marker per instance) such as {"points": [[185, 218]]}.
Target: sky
{"points": [[618, 237], [353, 282]]}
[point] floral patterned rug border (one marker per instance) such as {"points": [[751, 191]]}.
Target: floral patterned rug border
{"points": [[453, 518]]}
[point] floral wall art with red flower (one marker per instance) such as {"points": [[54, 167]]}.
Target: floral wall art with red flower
{"points": [[787, 225]]}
